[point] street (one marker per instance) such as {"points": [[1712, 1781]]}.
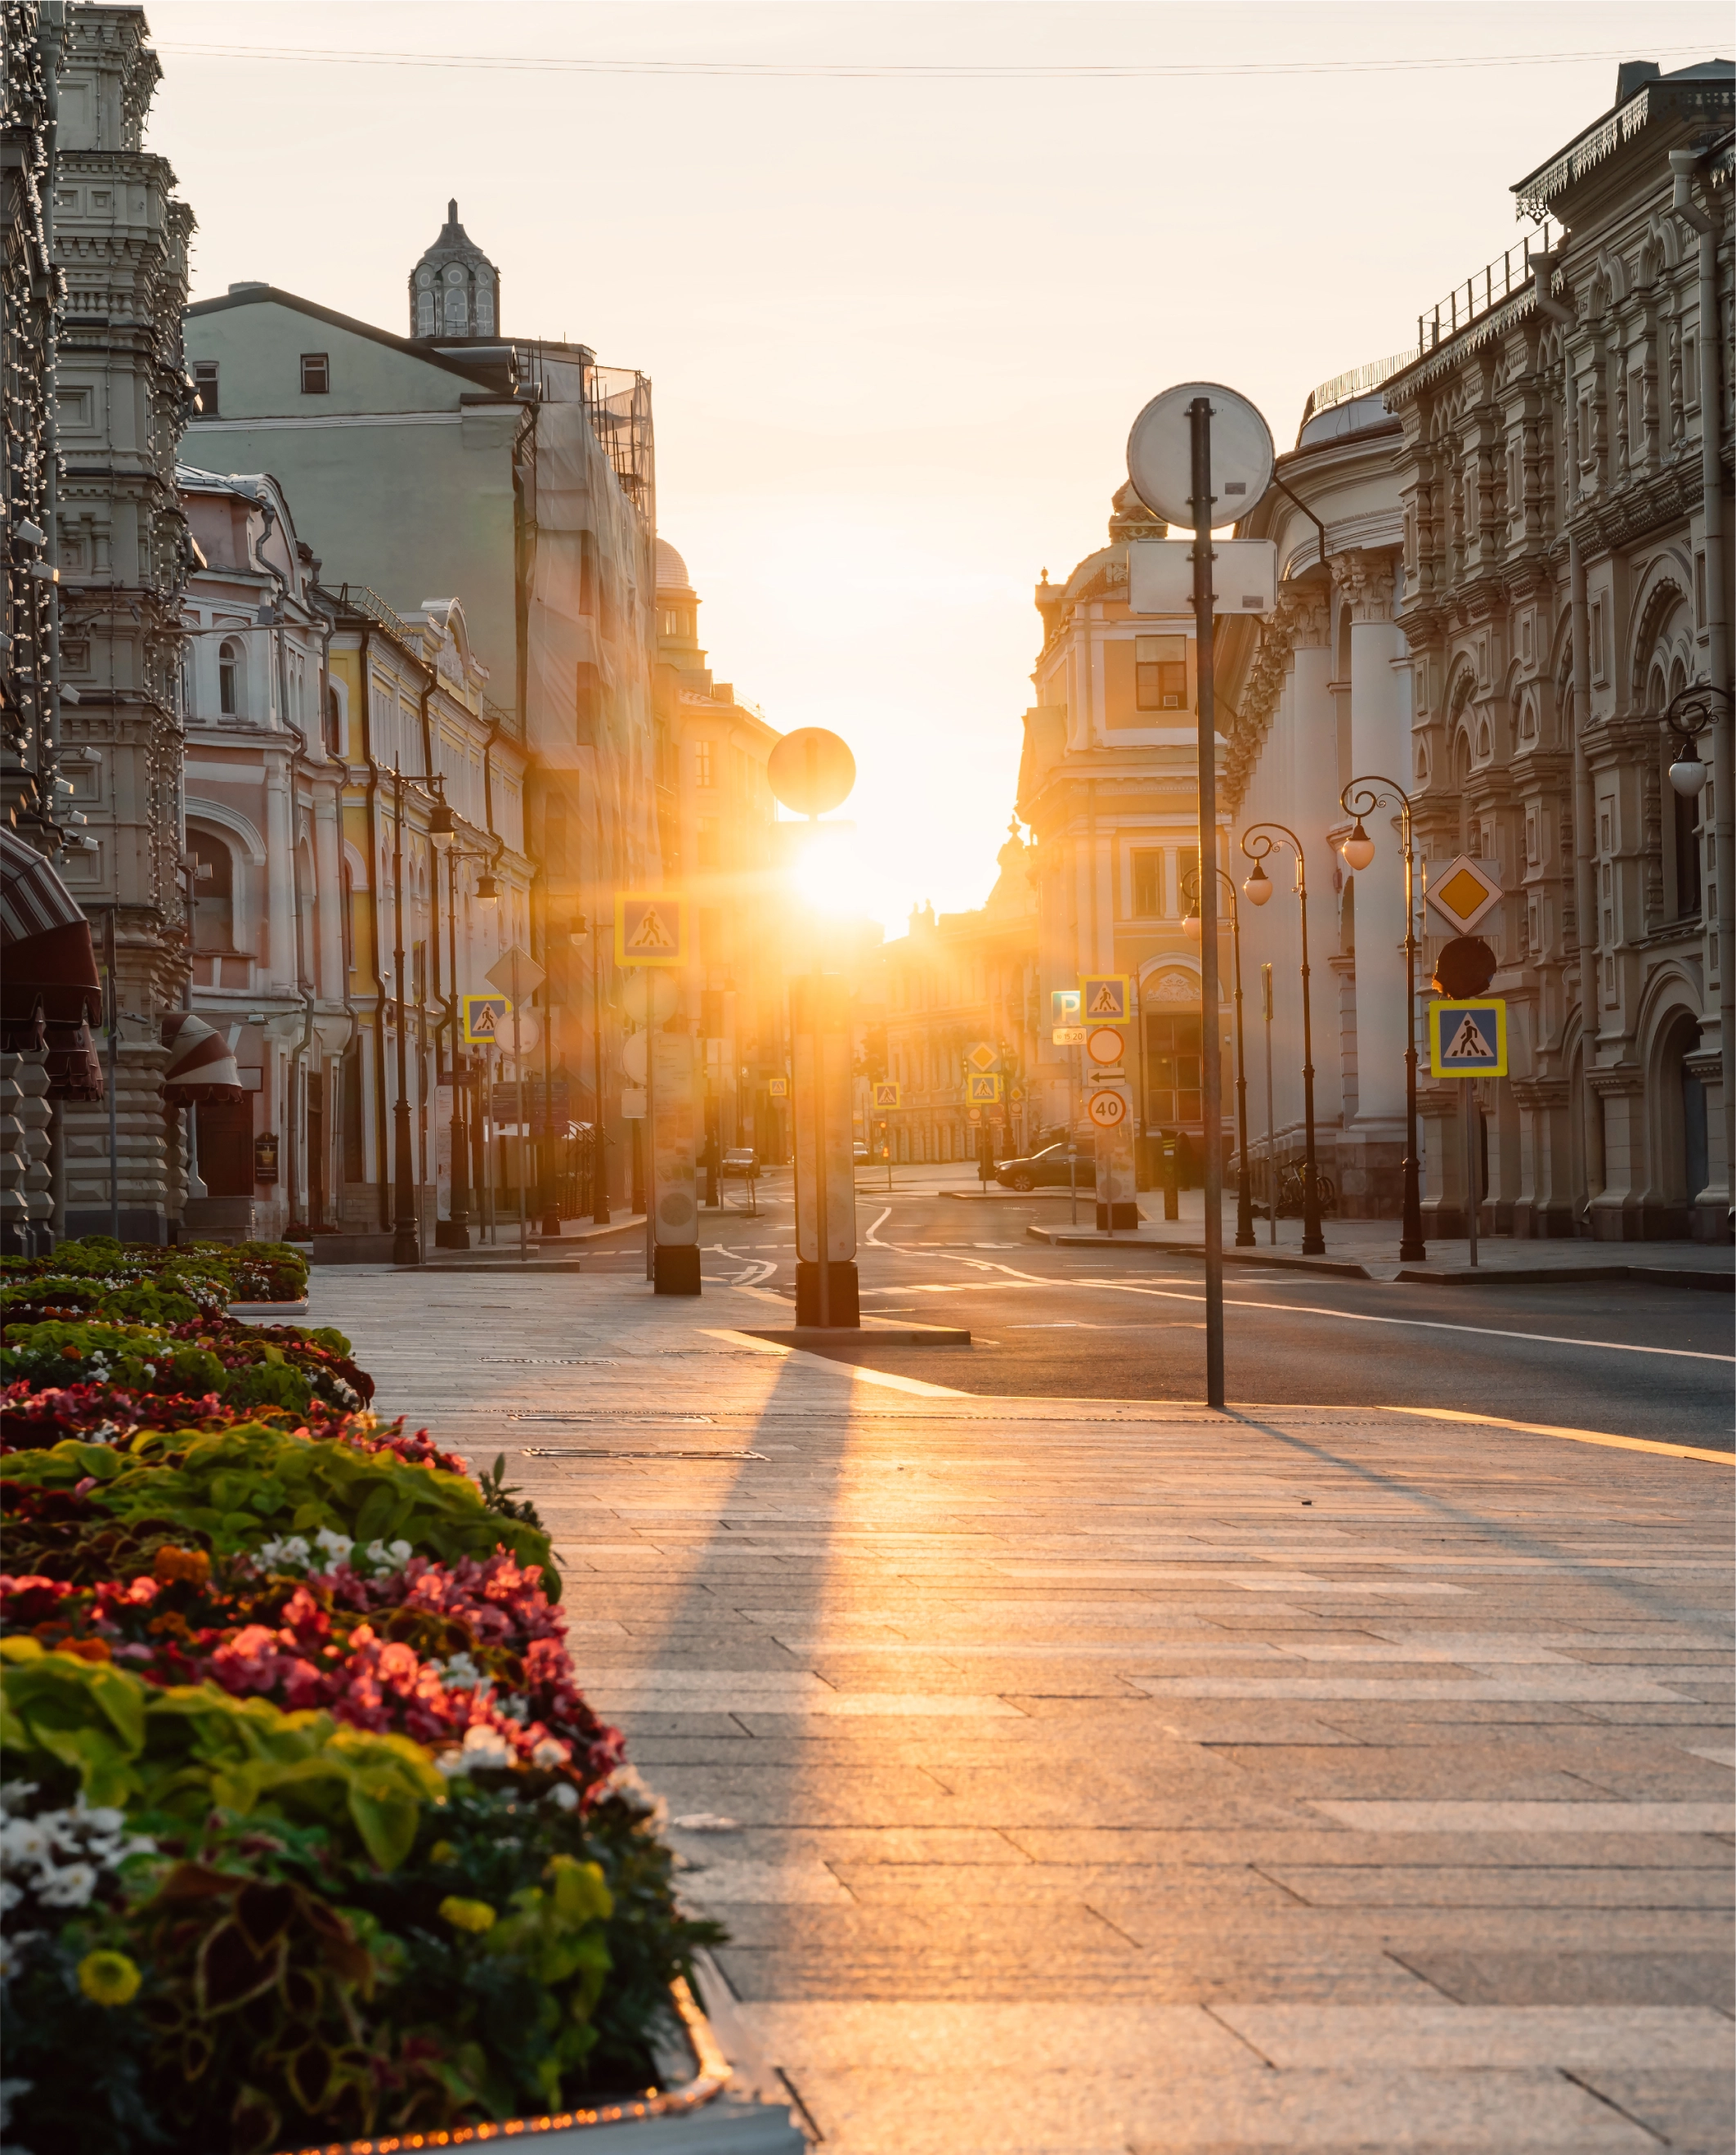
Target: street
{"points": [[1123, 1323], [1090, 1778]]}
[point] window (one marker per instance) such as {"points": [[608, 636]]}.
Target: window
{"points": [[315, 373], [213, 894], [205, 383], [1148, 881], [702, 764], [334, 722], [1161, 673], [228, 678], [1687, 854], [424, 313], [1172, 1065], [484, 309]]}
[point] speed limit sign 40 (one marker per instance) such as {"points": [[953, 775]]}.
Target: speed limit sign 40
{"points": [[1106, 1109]]}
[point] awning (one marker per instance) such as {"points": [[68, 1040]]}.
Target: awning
{"points": [[49, 987], [202, 1066]]}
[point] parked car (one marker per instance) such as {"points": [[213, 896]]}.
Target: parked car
{"points": [[860, 1154], [739, 1160], [1047, 1170]]}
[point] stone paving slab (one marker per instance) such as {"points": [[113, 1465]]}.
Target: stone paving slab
{"points": [[1105, 1778]]}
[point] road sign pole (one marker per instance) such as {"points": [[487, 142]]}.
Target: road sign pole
{"points": [[1199, 415], [1271, 1137], [1474, 1193], [518, 1064]]}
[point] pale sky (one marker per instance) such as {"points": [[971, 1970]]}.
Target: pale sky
{"points": [[897, 325]]}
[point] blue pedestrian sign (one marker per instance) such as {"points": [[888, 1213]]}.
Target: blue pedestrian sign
{"points": [[1468, 1039]]}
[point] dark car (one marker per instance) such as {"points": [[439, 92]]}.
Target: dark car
{"points": [[1047, 1170], [739, 1160]]}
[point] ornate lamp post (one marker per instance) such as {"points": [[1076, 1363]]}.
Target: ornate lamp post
{"points": [[1257, 844], [1190, 925], [1359, 850], [1692, 712]]}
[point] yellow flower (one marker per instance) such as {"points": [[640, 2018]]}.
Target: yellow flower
{"points": [[467, 1915], [109, 1977], [442, 1851]]}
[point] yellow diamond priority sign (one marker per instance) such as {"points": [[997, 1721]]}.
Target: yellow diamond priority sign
{"points": [[1463, 893]]}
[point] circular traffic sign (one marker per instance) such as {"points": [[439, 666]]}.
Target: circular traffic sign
{"points": [[1161, 455], [1106, 1109], [974, 1113], [811, 771], [1105, 1043]]}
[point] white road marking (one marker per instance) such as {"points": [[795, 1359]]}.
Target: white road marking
{"points": [[872, 1237], [1356, 1316]]}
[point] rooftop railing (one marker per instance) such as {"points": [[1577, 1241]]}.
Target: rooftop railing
{"points": [[1359, 381], [1498, 282]]}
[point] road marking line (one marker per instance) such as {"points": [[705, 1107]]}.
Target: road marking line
{"points": [[1359, 1317], [1574, 1436], [869, 1237]]}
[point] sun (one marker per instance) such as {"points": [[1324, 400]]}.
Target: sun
{"points": [[827, 869]]}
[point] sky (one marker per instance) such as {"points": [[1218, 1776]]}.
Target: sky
{"points": [[902, 276]]}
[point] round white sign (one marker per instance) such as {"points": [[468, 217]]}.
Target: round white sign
{"points": [[1105, 1043], [1106, 1109], [634, 1058], [1161, 455]]}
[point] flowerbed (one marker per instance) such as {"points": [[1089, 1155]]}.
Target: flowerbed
{"points": [[308, 1831]]}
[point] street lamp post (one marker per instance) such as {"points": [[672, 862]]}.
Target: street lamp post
{"points": [[1702, 708], [406, 1233], [1258, 844], [1359, 850], [1244, 1189]]}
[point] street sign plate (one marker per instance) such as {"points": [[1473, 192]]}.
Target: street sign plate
{"points": [[1064, 1005], [1463, 891], [1160, 455], [515, 969], [778, 1088], [485, 1020], [650, 930], [1069, 1035], [1104, 998], [1468, 1039], [1106, 1110], [982, 1091], [632, 1102], [982, 1055], [1105, 1043], [886, 1094], [1161, 576]]}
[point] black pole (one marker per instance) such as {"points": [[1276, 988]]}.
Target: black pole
{"points": [[1210, 1093], [460, 1222], [406, 1241], [1314, 1242], [1412, 1248], [599, 1163], [1244, 1189]]}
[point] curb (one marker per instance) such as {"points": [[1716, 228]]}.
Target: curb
{"points": [[830, 1335]]}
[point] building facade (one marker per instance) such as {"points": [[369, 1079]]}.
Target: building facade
{"points": [[955, 981], [1106, 783], [1564, 476], [264, 785], [715, 817], [519, 473], [122, 399]]}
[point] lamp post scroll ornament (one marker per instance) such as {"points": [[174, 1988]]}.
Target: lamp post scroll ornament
{"points": [[1258, 844]]}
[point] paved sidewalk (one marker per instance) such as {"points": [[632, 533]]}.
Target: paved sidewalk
{"points": [[1369, 1249], [1090, 1778]]}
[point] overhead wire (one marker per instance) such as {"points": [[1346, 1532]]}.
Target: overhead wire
{"points": [[893, 71]]}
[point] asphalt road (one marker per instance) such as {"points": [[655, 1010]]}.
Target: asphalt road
{"points": [[1618, 1357]]}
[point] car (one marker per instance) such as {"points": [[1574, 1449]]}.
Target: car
{"points": [[1047, 1170], [740, 1159], [860, 1154]]}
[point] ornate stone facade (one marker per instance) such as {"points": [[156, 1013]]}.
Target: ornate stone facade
{"points": [[1564, 473]]}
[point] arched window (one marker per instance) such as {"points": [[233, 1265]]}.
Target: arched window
{"points": [[213, 893], [228, 678], [424, 313], [485, 308], [334, 722]]}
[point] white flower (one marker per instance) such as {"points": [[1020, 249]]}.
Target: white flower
{"points": [[459, 1673], [10, 1897], [515, 1709], [625, 1783], [68, 1887], [23, 1842], [563, 1796], [551, 1752], [389, 1556], [337, 1546]]}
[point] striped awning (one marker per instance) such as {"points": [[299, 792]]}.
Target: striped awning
{"points": [[32, 898], [50, 991], [202, 1065]]}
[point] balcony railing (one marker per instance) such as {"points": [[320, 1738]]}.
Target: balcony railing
{"points": [[1499, 281]]}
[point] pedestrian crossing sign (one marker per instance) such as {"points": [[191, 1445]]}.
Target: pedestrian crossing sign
{"points": [[1103, 999], [650, 930], [886, 1094], [485, 1020], [982, 1091], [1468, 1039], [779, 1089]]}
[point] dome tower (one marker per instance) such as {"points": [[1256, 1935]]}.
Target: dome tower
{"points": [[454, 289]]}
